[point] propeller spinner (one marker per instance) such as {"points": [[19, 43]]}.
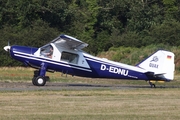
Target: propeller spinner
{"points": [[7, 48]]}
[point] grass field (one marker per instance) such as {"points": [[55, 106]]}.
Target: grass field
{"points": [[137, 104], [97, 104]]}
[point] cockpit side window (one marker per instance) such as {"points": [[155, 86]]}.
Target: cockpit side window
{"points": [[69, 57], [47, 51]]}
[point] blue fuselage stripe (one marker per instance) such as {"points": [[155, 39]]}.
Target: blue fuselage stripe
{"points": [[30, 58]]}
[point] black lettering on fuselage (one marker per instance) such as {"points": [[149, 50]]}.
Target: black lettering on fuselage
{"points": [[115, 70]]}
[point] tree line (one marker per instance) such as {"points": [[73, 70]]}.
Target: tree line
{"points": [[100, 23]]}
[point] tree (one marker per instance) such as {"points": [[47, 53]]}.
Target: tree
{"points": [[166, 33], [170, 8]]}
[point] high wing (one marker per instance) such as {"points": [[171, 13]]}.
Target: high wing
{"points": [[69, 42]]}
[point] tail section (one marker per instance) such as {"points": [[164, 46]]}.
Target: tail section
{"points": [[161, 64]]}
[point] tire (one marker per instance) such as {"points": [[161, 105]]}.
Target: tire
{"points": [[40, 81], [34, 81]]}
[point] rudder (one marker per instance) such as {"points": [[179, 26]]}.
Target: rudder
{"points": [[161, 63]]}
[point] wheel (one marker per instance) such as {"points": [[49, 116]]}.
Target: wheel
{"points": [[153, 85], [39, 81], [33, 81]]}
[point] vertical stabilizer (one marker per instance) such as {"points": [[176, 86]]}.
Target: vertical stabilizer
{"points": [[161, 63]]}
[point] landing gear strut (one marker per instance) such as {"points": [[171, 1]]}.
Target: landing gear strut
{"points": [[39, 78]]}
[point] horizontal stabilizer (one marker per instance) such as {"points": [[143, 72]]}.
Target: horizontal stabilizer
{"points": [[153, 74]]}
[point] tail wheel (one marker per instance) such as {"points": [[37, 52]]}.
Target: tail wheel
{"points": [[152, 85], [39, 81]]}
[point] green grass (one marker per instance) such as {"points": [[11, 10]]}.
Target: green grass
{"points": [[137, 104], [92, 104]]}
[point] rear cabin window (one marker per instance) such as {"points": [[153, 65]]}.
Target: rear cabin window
{"points": [[70, 57]]}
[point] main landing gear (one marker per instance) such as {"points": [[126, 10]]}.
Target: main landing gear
{"points": [[39, 78]]}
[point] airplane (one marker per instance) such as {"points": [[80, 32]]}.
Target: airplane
{"points": [[64, 54]]}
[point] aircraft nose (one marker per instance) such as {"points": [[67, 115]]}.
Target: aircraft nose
{"points": [[7, 48]]}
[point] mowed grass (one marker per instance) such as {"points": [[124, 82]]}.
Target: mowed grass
{"points": [[137, 104], [92, 104]]}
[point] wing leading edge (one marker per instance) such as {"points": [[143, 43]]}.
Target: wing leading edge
{"points": [[69, 42]]}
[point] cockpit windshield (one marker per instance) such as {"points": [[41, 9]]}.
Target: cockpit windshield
{"points": [[47, 51]]}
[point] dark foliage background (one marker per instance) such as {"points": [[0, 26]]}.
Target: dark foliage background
{"points": [[102, 24]]}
